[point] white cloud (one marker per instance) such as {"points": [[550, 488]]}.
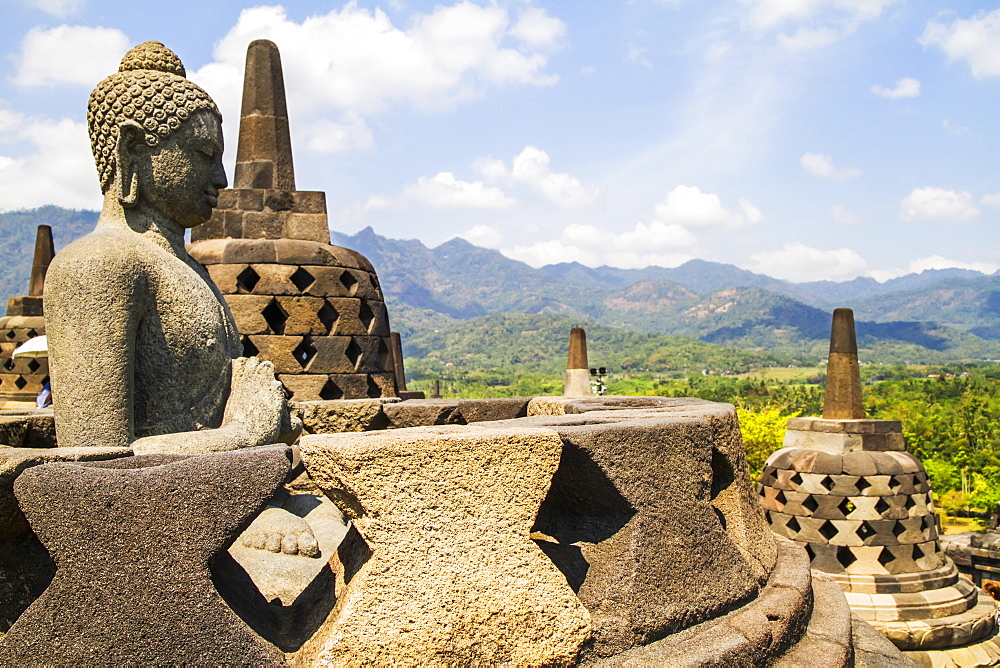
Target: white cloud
{"points": [[531, 167], [485, 236], [975, 41], [445, 191], [690, 207], [636, 54], [993, 199], [59, 170], [718, 51], [807, 39], [772, 13], [326, 136], [842, 216], [822, 165], [53, 56], [353, 62], [798, 262], [58, 8], [937, 205], [932, 262], [654, 243], [905, 87], [537, 30], [956, 130]]}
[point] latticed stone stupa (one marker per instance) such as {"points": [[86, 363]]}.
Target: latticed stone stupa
{"points": [[22, 378], [845, 487], [314, 310]]}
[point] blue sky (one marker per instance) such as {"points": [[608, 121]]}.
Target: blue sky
{"points": [[805, 139]]}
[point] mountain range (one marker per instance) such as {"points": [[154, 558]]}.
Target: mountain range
{"points": [[934, 316]]}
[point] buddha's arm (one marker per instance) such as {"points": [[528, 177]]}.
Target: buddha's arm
{"points": [[254, 415], [93, 302]]}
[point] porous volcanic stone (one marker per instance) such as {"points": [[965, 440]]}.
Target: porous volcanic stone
{"points": [[331, 417], [652, 519], [132, 539], [453, 577], [25, 566]]}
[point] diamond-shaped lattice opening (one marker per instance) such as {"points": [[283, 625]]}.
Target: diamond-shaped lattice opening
{"points": [[918, 553], [304, 352], [845, 556], [383, 355], [846, 507], [925, 522], [780, 497], [881, 506], [366, 316], [862, 484], [810, 551], [374, 391], [796, 479], [32, 333], [34, 365], [249, 349], [828, 530], [330, 391], [247, 280], [349, 282], [8, 363], [827, 483], [909, 503], [328, 316], [302, 279], [810, 504], [886, 557], [767, 475], [894, 483], [11, 334], [793, 525], [353, 353], [374, 280], [898, 529], [275, 317], [20, 382], [865, 531]]}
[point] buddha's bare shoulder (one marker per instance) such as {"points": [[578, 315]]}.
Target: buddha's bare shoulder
{"points": [[106, 256]]}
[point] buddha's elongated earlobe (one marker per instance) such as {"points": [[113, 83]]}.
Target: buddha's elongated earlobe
{"points": [[130, 138]]}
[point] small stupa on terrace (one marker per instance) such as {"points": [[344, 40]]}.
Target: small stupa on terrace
{"points": [[22, 378], [314, 310], [844, 486]]}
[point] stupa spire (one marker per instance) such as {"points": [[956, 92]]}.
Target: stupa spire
{"points": [[842, 400], [264, 153], [44, 252]]}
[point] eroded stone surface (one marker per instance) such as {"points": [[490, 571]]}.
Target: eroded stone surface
{"points": [[453, 576], [133, 539]]}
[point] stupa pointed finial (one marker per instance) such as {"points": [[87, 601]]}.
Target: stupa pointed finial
{"points": [[577, 370], [842, 400], [264, 153], [44, 252]]}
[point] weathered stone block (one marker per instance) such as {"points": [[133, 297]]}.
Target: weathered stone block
{"points": [[249, 251], [310, 201], [332, 417], [350, 312], [248, 312], [249, 199], [423, 412], [330, 355], [330, 281], [280, 351], [302, 315], [448, 512], [301, 252], [262, 225], [304, 387], [225, 277], [311, 226], [485, 410]]}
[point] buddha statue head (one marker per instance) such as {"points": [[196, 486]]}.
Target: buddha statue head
{"points": [[157, 137]]}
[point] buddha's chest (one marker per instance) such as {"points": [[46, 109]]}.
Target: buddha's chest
{"points": [[186, 326]]}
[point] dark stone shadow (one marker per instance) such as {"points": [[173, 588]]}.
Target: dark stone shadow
{"points": [[582, 506]]}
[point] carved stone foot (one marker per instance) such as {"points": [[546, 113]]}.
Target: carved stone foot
{"points": [[277, 530]]}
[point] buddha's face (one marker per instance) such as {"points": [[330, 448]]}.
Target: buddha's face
{"points": [[184, 174]]}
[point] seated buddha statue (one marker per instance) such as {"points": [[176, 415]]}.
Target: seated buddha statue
{"points": [[143, 349]]}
